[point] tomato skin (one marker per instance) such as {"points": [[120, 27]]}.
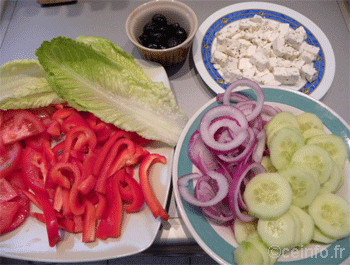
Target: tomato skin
{"points": [[7, 192], [9, 159]]}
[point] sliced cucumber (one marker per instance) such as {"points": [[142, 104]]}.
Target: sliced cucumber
{"points": [[280, 232], [302, 184], [297, 234], [247, 254], [322, 238], [309, 121], [331, 214], [283, 146], [312, 133], [334, 145], [317, 159], [312, 173], [256, 240], [242, 229], [267, 164], [274, 131], [268, 196], [307, 225], [281, 117], [334, 182]]}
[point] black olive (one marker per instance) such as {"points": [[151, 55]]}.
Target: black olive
{"points": [[145, 39], [159, 20], [149, 27], [158, 37], [172, 42], [181, 34], [173, 27]]}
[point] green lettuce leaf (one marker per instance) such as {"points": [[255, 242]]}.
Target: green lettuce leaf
{"points": [[23, 85], [116, 53], [90, 81]]}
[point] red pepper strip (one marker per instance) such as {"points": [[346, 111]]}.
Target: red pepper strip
{"points": [[87, 185], [66, 211], [78, 221], [106, 149], [110, 224], [101, 205], [32, 198], [49, 153], [92, 196], [113, 154], [129, 170], [136, 192], [54, 129], [64, 174], [76, 200], [63, 223], [62, 114], [124, 189], [73, 120], [88, 164], [89, 223], [58, 199], [50, 219], [58, 150], [83, 135], [150, 198]]}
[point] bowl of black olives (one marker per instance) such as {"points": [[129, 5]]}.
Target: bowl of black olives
{"points": [[162, 30]]}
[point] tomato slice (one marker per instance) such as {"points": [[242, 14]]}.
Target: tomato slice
{"points": [[7, 192], [8, 211], [21, 124], [9, 159]]}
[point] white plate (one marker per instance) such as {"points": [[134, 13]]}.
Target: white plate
{"points": [[204, 39], [218, 241], [29, 241]]}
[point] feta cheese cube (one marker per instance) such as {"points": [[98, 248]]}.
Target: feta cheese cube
{"points": [[223, 38], [283, 29], [278, 46], [244, 63], [251, 50], [249, 72], [311, 49], [306, 56], [260, 61], [244, 24], [286, 76], [256, 19], [219, 57], [309, 72], [230, 74], [268, 79], [298, 63], [244, 43], [291, 53], [273, 35], [296, 37], [232, 62]]}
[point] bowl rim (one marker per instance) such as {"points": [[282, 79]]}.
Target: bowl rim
{"points": [[188, 40]]}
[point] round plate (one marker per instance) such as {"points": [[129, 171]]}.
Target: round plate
{"points": [[204, 40], [218, 241]]}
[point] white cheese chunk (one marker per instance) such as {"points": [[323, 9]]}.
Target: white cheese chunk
{"points": [[306, 56], [283, 29], [291, 53], [311, 49], [278, 46], [219, 57], [244, 64], [230, 74], [296, 37], [260, 61], [309, 72], [256, 19], [286, 76], [249, 72], [297, 63], [251, 50]]}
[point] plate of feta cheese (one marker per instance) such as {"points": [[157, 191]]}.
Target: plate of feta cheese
{"points": [[270, 44]]}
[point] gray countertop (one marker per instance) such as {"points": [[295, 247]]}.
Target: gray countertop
{"points": [[25, 25]]}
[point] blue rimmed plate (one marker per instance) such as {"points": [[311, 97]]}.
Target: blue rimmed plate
{"points": [[204, 42], [218, 241]]}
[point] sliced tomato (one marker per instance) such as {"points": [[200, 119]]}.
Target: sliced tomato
{"points": [[7, 192], [21, 124], [8, 211], [9, 159]]}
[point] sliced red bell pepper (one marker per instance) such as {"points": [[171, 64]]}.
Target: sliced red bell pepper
{"points": [[36, 141], [35, 169], [62, 113], [9, 158], [75, 119], [63, 223], [64, 174], [50, 218], [7, 192], [54, 129], [110, 224], [16, 179], [78, 221], [66, 211], [31, 196], [101, 205], [89, 223], [136, 191], [76, 200], [58, 199], [8, 212], [150, 198], [87, 184]]}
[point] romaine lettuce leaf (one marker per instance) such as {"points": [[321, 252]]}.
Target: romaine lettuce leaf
{"points": [[23, 85], [90, 81]]}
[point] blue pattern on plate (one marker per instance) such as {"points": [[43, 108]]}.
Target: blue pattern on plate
{"points": [[244, 14]]}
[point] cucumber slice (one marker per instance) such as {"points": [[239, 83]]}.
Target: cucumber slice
{"points": [[302, 184], [247, 254], [281, 117], [256, 240], [242, 229], [280, 232], [268, 196], [334, 145], [312, 133], [331, 214], [274, 131], [312, 173], [317, 159], [267, 164], [307, 225], [283, 146], [297, 235], [309, 121], [334, 182], [322, 238]]}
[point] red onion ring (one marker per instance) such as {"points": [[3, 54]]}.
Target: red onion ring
{"points": [[259, 147]]}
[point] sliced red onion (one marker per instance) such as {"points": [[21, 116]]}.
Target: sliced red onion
{"points": [[239, 175], [208, 135], [268, 112], [234, 97], [256, 88], [221, 181], [260, 146], [200, 155]]}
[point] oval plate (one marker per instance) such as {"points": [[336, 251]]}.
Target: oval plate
{"points": [[204, 40], [218, 241]]}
